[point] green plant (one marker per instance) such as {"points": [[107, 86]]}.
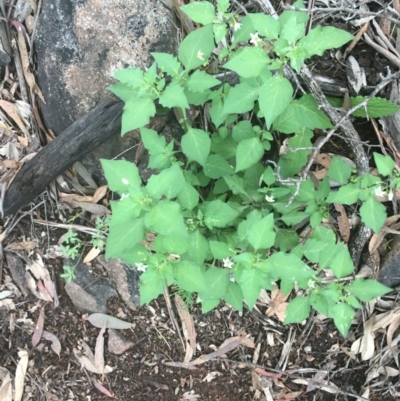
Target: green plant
{"points": [[98, 239], [218, 208], [68, 274]]}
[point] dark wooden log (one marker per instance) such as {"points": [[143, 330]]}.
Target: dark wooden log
{"points": [[70, 146]]}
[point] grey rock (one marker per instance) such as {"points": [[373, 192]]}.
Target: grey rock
{"points": [[89, 293], [390, 266], [117, 343]]}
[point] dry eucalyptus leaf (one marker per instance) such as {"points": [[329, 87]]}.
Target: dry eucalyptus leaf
{"points": [[55, 342], [6, 388], [355, 74], [37, 334], [111, 322], [91, 255], [20, 375], [99, 350]]}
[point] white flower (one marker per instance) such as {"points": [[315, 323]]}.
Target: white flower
{"points": [[227, 262], [311, 283], [125, 181], [255, 40], [379, 191], [269, 199], [390, 195], [237, 26], [141, 267], [124, 196], [200, 55]]}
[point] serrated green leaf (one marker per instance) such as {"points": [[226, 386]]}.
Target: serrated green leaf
{"points": [[321, 38], [198, 98], [130, 76], [220, 30], [225, 147], [235, 184], [169, 183], [319, 303], [234, 296], [134, 254], [197, 47], [172, 244], [216, 167], [286, 239], [217, 280], [293, 30], [384, 164], [201, 12], [377, 107], [137, 113], [188, 197], [367, 290], [122, 176], [275, 96], [339, 170], [151, 285], [243, 33], [123, 235], [174, 96], [347, 195], [168, 63], [248, 153], [297, 310], [219, 214], [343, 315], [189, 277], [294, 217], [248, 62], [342, 265], [223, 5], [240, 99], [300, 16], [125, 208], [373, 214], [198, 247], [209, 305], [196, 145], [153, 142], [220, 250], [166, 218], [242, 130], [251, 284], [200, 81], [262, 235], [265, 25], [123, 91], [286, 266]]}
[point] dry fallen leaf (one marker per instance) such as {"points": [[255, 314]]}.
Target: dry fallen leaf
{"points": [[55, 342], [6, 386], [188, 328], [111, 322], [278, 305], [20, 375], [37, 333], [91, 255], [99, 350], [102, 389]]}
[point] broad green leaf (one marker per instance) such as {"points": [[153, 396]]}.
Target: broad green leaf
{"points": [[219, 214], [200, 81], [339, 170], [198, 98], [173, 244], [251, 281], [292, 162], [122, 176], [226, 147], [297, 310], [367, 290], [217, 105], [234, 296], [265, 25], [220, 30], [134, 254], [296, 57], [137, 113], [248, 62], [242, 130], [286, 266], [248, 153], [201, 12], [131, 76], [223, 5], [321, 38], [240, 99], [123, 91], [168, 63], [174, 96], [217, 280], [262, 235], [287, 15], [197, 47], [153, 142], [377, 107], [124, 209], [188, 197], [313, 248], [235, 184], [384, 164], [243, 33], [342, 265], [169, 183], [198, 247], [294, 217], [373, 214], [347, 195], [323, 190], [220, 250], [166, 218], [189, 277], [209, 305], [123, 235], [152, 284], [196, 145], [319, 303], [324, 234], [286, 239], [293, 30], [216, 167], [275, 96], [343, 315]]}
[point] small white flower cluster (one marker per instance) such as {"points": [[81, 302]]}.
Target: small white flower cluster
{"points": [[255, 39], [141, 267], [269, 199], [200, 55], [380, 192]]}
